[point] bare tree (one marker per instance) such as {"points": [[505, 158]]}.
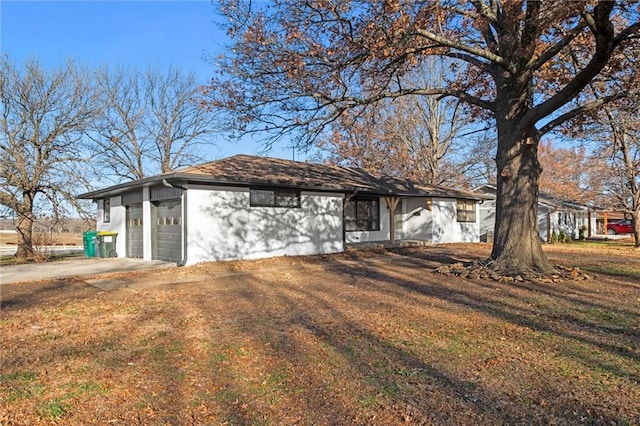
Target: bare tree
{"points": [[43, 117], [619, 137], [151, 122], [572, 173], [297, 66], [118, 147], [424, 138]]}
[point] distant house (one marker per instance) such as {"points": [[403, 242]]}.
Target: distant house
{"points": [[555, 214], [245, 207]]}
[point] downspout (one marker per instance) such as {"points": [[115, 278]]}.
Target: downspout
{"points": [[344, 224], [184, 220], [185, 234]]}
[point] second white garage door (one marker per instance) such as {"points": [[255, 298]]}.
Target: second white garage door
{"points": [[168, 230]]}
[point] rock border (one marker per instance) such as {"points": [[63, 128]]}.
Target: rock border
{"points": [[483, 271]]}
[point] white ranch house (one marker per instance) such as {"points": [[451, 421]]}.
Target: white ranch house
{"points": [[247, 207]]}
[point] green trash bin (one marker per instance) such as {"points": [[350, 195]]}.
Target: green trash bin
{"points": [[88, 241], [107, 244]]}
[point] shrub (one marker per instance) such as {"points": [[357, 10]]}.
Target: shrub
{"points": [[562, 237], [582, 233]]}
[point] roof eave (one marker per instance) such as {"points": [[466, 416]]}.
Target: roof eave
{"points": [[123, 187], [194, 178]]}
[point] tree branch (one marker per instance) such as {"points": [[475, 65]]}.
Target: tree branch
{"points": [[482, 53], [590, 106], [604, 47]]}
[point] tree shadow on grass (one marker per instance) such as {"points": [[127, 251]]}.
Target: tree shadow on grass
{"points": [[606, 326], [402, 378], [29, 295], [336, 347], [361, 376]]}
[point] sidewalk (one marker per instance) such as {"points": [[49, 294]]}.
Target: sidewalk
{"points": [[607, 237], [76, 267]]}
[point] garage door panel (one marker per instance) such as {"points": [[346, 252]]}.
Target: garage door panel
{"points": [[168, 233]]}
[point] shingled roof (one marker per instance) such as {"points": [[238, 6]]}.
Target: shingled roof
{"points": [[249, 170]]}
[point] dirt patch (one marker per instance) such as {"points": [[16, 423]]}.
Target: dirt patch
{"points": [[365, 337]]}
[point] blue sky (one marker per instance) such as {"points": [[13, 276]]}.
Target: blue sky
{"points": [[129, 33]]}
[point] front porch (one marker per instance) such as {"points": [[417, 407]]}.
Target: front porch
{"points": [[410, 221], [386, 245]]}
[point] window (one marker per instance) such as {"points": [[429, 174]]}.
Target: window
{"points": [[274, 198], [362, 214], [288, 198], [106, 210], [169, 221], [466, 210]]}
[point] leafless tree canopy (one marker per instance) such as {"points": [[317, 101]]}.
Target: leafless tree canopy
{"points": [[424, 138], [150, 122], [617, 134], [44, 115]]}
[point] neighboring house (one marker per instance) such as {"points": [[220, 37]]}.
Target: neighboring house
{"points": [[245, 207], [555, 214]]}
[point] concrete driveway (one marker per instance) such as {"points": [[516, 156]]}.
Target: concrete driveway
{"points": [[75, 267]]}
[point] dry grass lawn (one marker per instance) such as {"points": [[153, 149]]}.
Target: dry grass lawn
{"points": [[65, 238], [358, 338]]}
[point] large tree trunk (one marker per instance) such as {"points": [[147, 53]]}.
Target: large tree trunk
{"points": [[25, 230], [516, 246]]}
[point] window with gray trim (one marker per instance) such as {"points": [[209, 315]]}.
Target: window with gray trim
{"points": [[362, 214], [288, 198]]}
